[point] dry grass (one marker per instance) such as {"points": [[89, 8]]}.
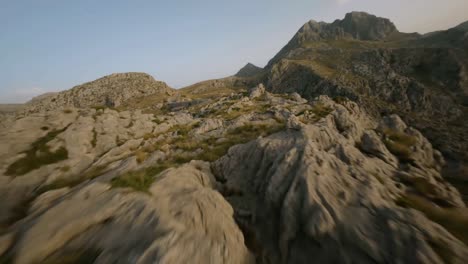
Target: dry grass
{"points": [[399, 144], [454, 220]]}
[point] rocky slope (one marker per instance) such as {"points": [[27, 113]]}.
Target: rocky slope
{"points": [[110, 91], [279, 179]]}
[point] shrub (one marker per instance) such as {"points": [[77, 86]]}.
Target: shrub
{"points": [[38, 155]]}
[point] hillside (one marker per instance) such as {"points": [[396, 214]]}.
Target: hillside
{"points": [[109, 91]]}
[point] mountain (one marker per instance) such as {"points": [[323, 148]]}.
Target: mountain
{"points": [[423, 78], [355, 25], [348, 147], [248, 70], [111, 91]]}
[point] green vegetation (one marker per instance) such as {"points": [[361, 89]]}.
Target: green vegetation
{"points": [[38, 155], [454, 220], [140, 180], [399, 144], [212, 150]]}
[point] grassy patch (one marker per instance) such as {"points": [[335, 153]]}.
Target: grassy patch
{"points": [[454, 220], [399, 144], [140, 180], [213, 151], [38, 155]]}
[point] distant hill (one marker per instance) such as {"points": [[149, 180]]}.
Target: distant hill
{"points": [[112, 91]]}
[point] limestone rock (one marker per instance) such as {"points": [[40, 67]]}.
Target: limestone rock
{"points": [[257, 91]]}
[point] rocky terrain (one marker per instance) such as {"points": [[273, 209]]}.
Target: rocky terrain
{"points": [[316, 157]]}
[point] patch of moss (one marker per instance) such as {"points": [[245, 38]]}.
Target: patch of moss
{"points": [[38, 155]]}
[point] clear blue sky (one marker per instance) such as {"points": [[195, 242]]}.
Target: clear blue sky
{"points": [[51, 45]]}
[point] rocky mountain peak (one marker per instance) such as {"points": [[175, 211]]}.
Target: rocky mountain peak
{"points": [[248, 70], [364, 26], [355, 25]]}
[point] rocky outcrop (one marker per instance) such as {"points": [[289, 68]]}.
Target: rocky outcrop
{"points": [[109, 91], [329, 192], [182, 219]]}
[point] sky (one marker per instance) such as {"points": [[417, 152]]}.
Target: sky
{"points": [[53, 45]]}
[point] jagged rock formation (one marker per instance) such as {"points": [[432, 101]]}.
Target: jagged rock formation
{"points": [[110, 91], [249, 70]]}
